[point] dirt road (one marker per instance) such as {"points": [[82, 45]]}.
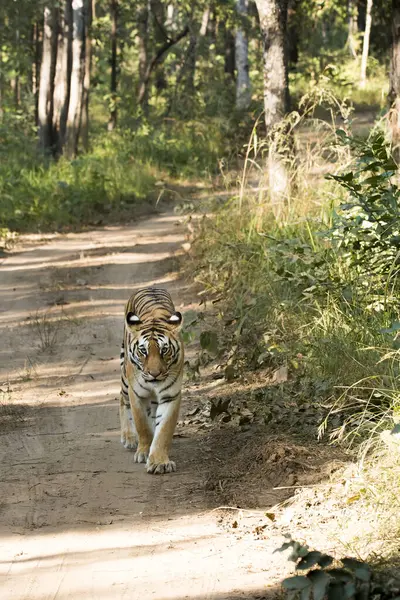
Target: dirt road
{"points": [[78, 519]]}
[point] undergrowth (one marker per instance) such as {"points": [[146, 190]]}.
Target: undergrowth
{"points": [[123, 171], [317, 290]]}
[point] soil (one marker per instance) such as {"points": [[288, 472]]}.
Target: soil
{"points": [[80, 520]]}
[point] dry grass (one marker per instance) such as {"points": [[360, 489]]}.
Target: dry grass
{"points": [[47, 329]]}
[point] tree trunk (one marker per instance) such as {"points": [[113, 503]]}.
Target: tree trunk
{"points": [[112, 122], [204, 21], [36, 39], [273, 19], [157, 58], [229, 53], [77, 74], [243, 88], [143, 35], [352, 12], [367, 32], [46, 85], [394, 92], [15, 81], [273, 16], [86, 79], [63, 75]]}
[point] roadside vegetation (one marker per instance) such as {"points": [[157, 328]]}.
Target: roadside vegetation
{"points": [[300, 249]]}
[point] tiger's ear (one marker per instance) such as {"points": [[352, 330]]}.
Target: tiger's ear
{"points": [[133, 320], [175, 320]]}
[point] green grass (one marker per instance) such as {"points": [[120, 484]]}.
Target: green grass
{"points": [[123, 171], [290, 296], [341, 76]]}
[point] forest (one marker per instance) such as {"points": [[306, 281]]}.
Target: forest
{"points": [[272, 128]]}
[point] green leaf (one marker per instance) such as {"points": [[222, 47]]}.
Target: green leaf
{"points": [[363, 573], [302, 550], [325, 561], [284, 546], [309, 560], [392, 329], [298, 582], [352, 563], [305, 594], [340, 575], [320, 581], [209, 341], [349, 590], [336, 591]]}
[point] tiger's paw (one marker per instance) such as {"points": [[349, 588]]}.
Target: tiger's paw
{"points": [[141, 455], [128, 440], [155, 467]]}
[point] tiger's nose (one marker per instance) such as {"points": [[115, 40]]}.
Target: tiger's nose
{"points": [[155, 373]]}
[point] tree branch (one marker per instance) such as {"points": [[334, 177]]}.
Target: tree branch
{"points": [[157, 59]]}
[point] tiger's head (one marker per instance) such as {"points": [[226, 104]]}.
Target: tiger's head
{"points": [[155, 346]]}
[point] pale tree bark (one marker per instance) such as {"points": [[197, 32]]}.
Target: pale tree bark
{"points": [[171, 20], [191, 60], [367, 32], [352, 13], [36, 41], [243, 87], [204, 21], [273, 21], [77, 76], [112, 122], [63, 74], [90, 9], [15, 81], [46, 84], [394, 92]]}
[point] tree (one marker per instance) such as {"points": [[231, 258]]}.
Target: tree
{"points": [[62, 76], [47, 72], [114, 8], [143, 40], [243, 88], [352, 13], [394, 91], [367, 32], [77, 76], [87, 75], [273, 21]]}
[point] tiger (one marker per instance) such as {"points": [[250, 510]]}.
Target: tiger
{"points": [[152, 358]]}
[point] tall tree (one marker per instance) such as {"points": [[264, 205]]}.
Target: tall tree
{"points": [[143, 41], [47, 72], [273, 22], [114, 8], [229, 51], [77, 75], [352, 15], [394, 91], [63, 74], [86, 78], [365, 51], [243, 88]]}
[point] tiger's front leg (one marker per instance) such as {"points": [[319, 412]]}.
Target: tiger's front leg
{"points": [[166, 418], [140, 412]]}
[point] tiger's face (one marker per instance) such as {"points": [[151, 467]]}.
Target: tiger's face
{"points": [[154, 348]]}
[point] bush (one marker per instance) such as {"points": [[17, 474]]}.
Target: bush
{"points": [[321, 301]]}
